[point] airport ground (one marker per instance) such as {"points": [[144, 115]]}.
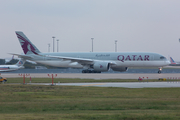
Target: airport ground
{"points": [[30, 102], [98, 76], [89, 101], [101, 80]]}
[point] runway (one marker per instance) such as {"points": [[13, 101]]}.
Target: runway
{"points": [[145, 84], [120, 84], [99, 76]]}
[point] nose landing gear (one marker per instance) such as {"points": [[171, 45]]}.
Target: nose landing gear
{"points": [[159, 71]]}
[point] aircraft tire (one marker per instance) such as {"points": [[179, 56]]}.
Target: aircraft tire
{"points": [[93, 71], [90, 71], [83, 71], [86, 71]]}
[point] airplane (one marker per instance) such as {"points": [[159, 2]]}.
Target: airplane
{"points": [[173, 63], [91, 62], [18, 65]]}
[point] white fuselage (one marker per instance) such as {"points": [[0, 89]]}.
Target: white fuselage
{"points": [[126, 59], [6, 68]]}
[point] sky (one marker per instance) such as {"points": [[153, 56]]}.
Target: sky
{"points": [[137, 25]]}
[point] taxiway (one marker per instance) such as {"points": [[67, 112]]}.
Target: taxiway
{"points": [[119, 84], [99, 76]]}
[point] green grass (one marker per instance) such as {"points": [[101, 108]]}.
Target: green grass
{"points": [[19, 102], [75, 80]]}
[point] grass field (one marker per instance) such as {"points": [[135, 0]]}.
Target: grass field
{"points": [[19, 102], [75, 80]]}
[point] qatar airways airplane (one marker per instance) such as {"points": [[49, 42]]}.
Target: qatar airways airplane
{"points": [[91, 62]]}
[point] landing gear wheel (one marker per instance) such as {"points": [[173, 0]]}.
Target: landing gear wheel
{"points": [[90, 71], [159, 72]]}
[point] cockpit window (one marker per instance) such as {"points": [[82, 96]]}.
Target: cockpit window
{"points": [[162, 57]]}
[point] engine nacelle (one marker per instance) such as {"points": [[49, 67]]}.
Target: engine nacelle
{"points": [[120, 69], [101, 66]]}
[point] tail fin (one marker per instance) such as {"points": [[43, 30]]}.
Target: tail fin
{"points": [[26, 44], [20, 62], [7, 60], [172, 61]]}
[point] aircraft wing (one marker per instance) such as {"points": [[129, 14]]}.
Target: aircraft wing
{"points": [[21, 56], [79, 60]]}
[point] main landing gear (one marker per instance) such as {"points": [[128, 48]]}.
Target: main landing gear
{"points": [[90, 71], [159, 71]]}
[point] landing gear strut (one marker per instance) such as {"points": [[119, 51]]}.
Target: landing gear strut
{"points": [[160, 69], [90, 71]]}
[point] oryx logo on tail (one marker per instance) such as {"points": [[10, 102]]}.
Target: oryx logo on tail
{"points": [[26, 45]]}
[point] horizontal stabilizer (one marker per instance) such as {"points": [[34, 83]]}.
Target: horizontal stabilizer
{"points": [[21, 56]]}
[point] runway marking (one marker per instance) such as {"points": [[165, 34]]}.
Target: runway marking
{"points": [[94, 84]]}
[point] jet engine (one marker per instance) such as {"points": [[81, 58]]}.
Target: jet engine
{"points": [[101, 66], [120, 69]]}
